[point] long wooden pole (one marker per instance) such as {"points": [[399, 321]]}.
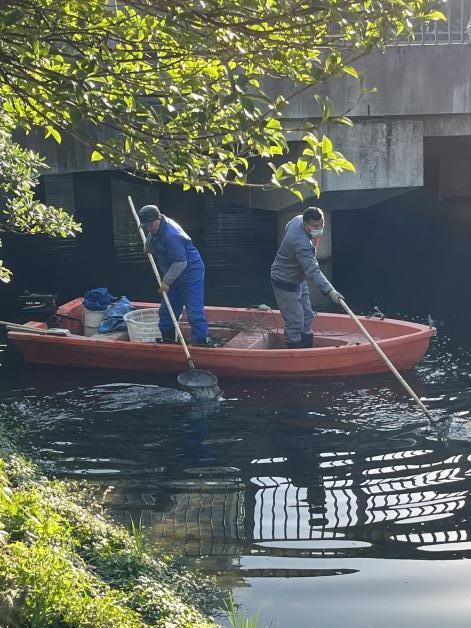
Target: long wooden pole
{"points": [[386, 359], [34, 330], [164, 294]]}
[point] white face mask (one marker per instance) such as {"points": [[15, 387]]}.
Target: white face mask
{"points": [[316, 232]]}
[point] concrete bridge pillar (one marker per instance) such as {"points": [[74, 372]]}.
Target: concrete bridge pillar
{"points": [[455, 180]]}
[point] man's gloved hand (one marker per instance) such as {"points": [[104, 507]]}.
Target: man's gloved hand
{"points": [[336, 296], [164, 287]]}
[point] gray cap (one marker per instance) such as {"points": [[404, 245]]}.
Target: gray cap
{"points": [[149, 213]]}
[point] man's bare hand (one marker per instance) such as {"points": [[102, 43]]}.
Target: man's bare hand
{"points": [[164, 287]]}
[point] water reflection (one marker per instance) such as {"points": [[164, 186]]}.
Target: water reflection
{"points": [[297, 481]]}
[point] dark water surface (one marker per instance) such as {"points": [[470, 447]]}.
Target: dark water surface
{"points": [[322, 504]]}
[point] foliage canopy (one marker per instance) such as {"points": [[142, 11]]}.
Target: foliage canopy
{"points": [[183, 91]]}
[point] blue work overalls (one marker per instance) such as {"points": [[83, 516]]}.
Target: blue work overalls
{"points": [[169, 245]]}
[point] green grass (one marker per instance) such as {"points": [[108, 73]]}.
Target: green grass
{"points": [[64, 564], [137, 533], [237, 619]]}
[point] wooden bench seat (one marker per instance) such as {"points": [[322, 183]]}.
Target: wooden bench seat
{"points": [[247, 340]]}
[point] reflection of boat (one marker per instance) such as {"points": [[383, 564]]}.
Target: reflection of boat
{"points": [[252, 346]]}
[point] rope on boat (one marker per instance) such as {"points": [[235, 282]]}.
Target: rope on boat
{"points": [[254, 323], [242, 324]]}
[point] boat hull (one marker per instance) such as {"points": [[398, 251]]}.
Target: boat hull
{"points": [[403, 342]]}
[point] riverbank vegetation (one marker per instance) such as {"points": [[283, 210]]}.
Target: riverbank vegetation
{"points": [[63, 563]]}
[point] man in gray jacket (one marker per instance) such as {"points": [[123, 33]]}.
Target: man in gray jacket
{"points": [[295, 262]]}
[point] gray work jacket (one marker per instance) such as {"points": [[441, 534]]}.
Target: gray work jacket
{"points": [[296, 260]]}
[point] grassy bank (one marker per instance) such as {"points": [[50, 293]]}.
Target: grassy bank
{"points": [[62, 563]]}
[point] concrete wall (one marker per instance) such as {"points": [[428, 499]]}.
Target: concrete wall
{"points": [[423, 91], [410, 81], [71, 155], [386, 153]]}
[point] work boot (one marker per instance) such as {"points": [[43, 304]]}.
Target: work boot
{"points": [[307, 341], [206, 342], [293, 345], [168, 336]]}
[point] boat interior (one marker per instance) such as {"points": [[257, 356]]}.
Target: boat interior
{"points": [[249, 339], [252, 331]]}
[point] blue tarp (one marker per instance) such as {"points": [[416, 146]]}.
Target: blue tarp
{"points": [[113, 320], [98, 299]]}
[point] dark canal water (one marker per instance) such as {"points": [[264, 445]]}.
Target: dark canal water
{"points": [[321, 504]]}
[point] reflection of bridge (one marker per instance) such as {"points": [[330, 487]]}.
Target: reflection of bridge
{"points": [[375, 505], [206, 522], [301, 486]]}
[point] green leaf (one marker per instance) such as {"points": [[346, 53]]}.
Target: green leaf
{"points": [[435, 15], [345, 165], [301, 166], [332, 62], [368, 90], [96, 156], [51, 131], [311, 140], [297, 193], [327, 145], [35, 46], [5, 277], [344, 120], [287, 168], [273, 123], [348, 69], [128, 145]]}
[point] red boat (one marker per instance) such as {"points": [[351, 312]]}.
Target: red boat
{"points": [[252, 346]]}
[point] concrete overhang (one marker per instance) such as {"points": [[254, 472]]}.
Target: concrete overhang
{"points": [[388, 155]]}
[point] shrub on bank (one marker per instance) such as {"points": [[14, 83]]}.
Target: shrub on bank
{"points": [[62, 563]]}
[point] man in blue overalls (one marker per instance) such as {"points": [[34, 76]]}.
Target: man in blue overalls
{"points": [[183, 273]]}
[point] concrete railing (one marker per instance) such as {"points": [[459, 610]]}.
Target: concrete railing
{"points": [[456, 29]]}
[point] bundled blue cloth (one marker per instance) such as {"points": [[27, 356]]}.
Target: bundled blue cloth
{"points": [[98, 299], [113, 320]]}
